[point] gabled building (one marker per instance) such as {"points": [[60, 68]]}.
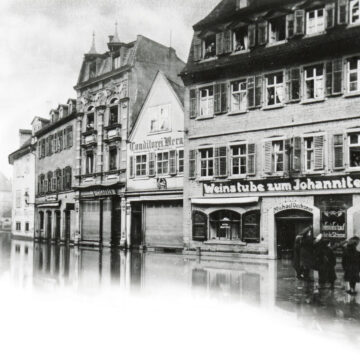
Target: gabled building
{"points": [[154, 190], [273, 119], [111, 90]]}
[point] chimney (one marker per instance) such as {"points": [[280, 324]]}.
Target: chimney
{"points": [[24, 135]]}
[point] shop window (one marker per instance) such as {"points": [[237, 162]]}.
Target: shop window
{"points": [[240, 39], [90, 121], [27, 226], [354, 150], [274, 89], [113, 158], [207, 101], [113, 119], [141, 164], [354, 11], [18, 226], [41, 220], [209, 46], [89, 163], [180, 161], [207, 162], [199, 226], [315, 21], [277, 29], [353, 75], [251, 227], [225, 225], [162, 162], [314, 82], [239, 96]]}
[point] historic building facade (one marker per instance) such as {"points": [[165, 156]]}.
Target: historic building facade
{"points": [[154, 190], [111, 90], [273, 141], [23, 185], [55, 213]]}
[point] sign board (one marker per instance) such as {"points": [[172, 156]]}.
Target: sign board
{"points": [[164, 142], [333, 224], [292, 205], [51, 198], [98, 193]]}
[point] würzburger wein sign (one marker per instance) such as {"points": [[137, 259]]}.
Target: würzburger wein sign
{"points": [[282, 185]]}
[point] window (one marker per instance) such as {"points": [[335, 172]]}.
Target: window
{"points": [[69, 136], [207, 162], [238, 159], [180, 161], [162, 163], [27, 226], [354, 149], [117, 62], [113, 116], [353, 75], [239, 96], [207, 101], [338, 151], [18, 198], [41, 220], [354, 11], [90, 121], [58, 175], [274, 89], [240, 39], [240, 4], [225, 225], [113, 158], [209, 45], [141, 163], [309, 153], [92, 69], [67, 178], [89, 163], [251, 227], [314, 82], [274, 156], [315, 21], [277, 29], [49, 181], [54, 183], [18, 226], [159, 118]]}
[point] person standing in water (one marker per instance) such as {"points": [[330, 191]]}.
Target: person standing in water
{"points": [[351, 264]]}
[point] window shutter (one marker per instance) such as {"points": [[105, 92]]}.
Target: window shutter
{"points": [[251, 159], [287, 154], [219, 43], [192, 163], [262, 33], [224, 99], [227, 41], [296, 154], [338, 76], [258, 90], [252, 35], [46, 146], [193, 103], [131, 164], [217, 98], [39, 150], [339, 152], [60, 140], [290, 24], [329, 78], [221, 161], [319, 152], [172, 162], [65, 138], [251, 91], [330, 15], [293, 84], [70, 136], [299, 22], [197, 48], [268, 157], [152, 164], [343, 12], [199, 226]]}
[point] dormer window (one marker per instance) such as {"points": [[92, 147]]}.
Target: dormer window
{"points": [[209, 46], [240, 39], [277, 29], [315, 21], [354, 11], [241, 4], [92, 69], [117, 62]]}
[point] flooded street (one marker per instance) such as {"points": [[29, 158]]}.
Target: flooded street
{"points": [[259, 283]]}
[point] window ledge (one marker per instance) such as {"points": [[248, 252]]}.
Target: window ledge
{"points": [[352, 94], [312, 101], [159, 132], [315, 34], [225, 242], [237, 177], [280, 42], [205, 117], [141, 178], [232, 113], [206, 178], [314, 172], [208, 59], [271, 107], [240, 52], [353, 169]]}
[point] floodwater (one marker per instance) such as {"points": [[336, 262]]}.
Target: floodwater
{"points": [[260, 283]]}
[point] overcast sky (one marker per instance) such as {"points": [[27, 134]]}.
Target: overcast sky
{"points": [[42, 43]]}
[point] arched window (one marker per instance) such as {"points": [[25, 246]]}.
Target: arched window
{"points": [[199, 226], [90, 119], [251, 227], [58, 177], [67, 178], [225, 225], [113, 112], [41, 220]]}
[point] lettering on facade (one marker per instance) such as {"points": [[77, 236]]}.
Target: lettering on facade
{"points": [[333, 224], [302, 184], [292, 205], [50, 198], [98, 193], [156, 144]]}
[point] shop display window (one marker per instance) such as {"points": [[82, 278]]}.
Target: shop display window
{"points": [[225, 225]]}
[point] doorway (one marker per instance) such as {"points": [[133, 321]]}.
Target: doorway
{"points": [[136, 224], [67, 225], [289, 224], [57, 224], [116, 221], [49, 225]]}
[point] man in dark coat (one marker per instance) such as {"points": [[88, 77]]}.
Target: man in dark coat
{"points": [[307, 261], [296, 257], [326, 262], [351, 264]]}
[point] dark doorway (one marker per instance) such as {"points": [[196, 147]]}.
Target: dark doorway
{"points": [[67, 225], [49, 225], [289, 224], [116, 222], [57, 224], [136, 224]]}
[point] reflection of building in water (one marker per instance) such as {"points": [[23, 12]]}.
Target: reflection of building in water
{"points": [[21, 265], [5, 251]]}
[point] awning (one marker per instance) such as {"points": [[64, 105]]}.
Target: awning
{"points": [[50, 205], [225, 201]]}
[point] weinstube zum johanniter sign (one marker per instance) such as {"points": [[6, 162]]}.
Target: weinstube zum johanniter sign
{"points": [[282, 185]]}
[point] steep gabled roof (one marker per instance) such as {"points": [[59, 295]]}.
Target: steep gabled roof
{"points": [[24, 149]]}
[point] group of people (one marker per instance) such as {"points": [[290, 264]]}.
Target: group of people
{"points": [[316, 254]]}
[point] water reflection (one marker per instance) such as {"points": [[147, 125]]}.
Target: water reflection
{"points": [[267, 284]]}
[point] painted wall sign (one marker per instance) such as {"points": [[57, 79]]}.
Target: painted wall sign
{"points": [[98, 193], [156, 144], [292, 205], [50, 198], [333, 224], [282, 185]]}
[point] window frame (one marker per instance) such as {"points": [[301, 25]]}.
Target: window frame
{"points": [[351, 5], [232, 157], [210, 99], [270, 32], [113, 149], [349, 146], [348, 74], [274, 86], [316, 21], [304, 80], [162, 161], [241, 80], [141, 163], [207, 160]]}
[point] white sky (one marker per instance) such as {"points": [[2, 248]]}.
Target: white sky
{"points": [[42, 43]]}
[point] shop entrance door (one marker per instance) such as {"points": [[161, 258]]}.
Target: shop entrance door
{"points": [[116, 221], [136, 224], [67, 225], [289, 224], [57, 224]]}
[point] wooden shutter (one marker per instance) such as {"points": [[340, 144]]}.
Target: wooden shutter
{"points": [[65, 132], [329, 78], [268, 157], [339, 152], [39, 149], [193, 103], [251, 159], [197, 48], [251, 91], [262, 32], [227, 39], [220, 98], [219, 43], [292, 77], [296, 154], [287, 155], [192, 163], [337, 76], [199, 226], [330, 15], [343, 12], [221, 161], [70, 136], [47, 146], [131, 165], [252, 35], [319, 152], [299, 22], [152, 164], [290, 26], [258, 90], [172, 162]]}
